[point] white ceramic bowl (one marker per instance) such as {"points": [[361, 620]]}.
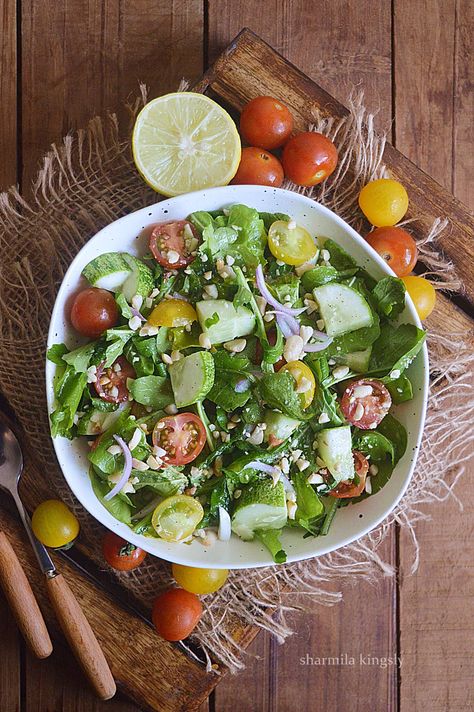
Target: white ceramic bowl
{"points": [[351, 522]]}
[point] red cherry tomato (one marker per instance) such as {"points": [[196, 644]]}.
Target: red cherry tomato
{"points": [[172, 243], [176, 613], [258, 167], [266, 122], [396, 247], [309, 158], [348, 488], [111, 383], [365, 403], [271, 336], [93, 312], [120, 554], [182, 436]]}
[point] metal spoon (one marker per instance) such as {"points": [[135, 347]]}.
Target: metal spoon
{"points": [[74, 624]]}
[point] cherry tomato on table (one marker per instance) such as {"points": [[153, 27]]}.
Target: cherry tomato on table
{"points": [[365, 403], [176, 613], [266, 122], [384, 202], [54, 524], [200, 581], [120, 554], [172, 312], [93, 312], [396, 247], [422, 293], [309, 158], [348, 488], [183, 437], [171, 243], [292, 245], [258, 167], [111, 383], [305, 381]]}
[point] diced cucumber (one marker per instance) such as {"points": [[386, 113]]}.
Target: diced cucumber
{"points": [[139, 281], [260, 506], [342, 308], [335, 449], [357, 361], [192, 377], [108, 271], [279, 425], [96, 422], [231, 322]]}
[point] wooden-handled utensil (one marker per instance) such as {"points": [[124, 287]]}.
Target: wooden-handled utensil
{"points": [[74, 624]]}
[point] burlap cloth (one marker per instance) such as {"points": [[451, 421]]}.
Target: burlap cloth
{"points": [[90, 180]]}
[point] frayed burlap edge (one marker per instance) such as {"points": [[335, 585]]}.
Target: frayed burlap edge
{"points": [[89, 181]]}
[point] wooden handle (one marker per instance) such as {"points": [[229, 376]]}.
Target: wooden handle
{"points": [[81, 637], [22, 601]]}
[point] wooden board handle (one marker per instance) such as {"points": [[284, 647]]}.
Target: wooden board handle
{"points": [[22, 601], [81, 637]]}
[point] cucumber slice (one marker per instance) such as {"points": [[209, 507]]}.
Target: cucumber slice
{"points": [[231, 322], [139, 281], [342, 308], [260, 506], [108, 271], [357, 361], [96, 422], [192, 377], [335, 449], [279, 425]]}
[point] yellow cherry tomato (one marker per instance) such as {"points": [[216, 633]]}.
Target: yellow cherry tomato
{"points": [[175, 518], [54, 524], [305, 383], [384, 202], [422, 293], [199, 581], [172, 312], [291, 245]]}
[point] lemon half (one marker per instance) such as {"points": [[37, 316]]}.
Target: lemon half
{"points": [[183, 142]]}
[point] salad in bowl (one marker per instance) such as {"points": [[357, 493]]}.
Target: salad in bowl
{"points": [[235, 377]]}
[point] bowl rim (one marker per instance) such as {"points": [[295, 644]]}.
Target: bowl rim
{"points": [[230, 195]]}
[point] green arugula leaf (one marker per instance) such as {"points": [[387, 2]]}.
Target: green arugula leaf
{"points": [[117, 507], [152, 391], [395, 349], [167, 482], [389, 295], [56, 352], [81, 357], [339, 258], [270, 538]]}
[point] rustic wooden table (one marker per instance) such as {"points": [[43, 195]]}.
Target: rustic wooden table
{"points": [[61, 62]]}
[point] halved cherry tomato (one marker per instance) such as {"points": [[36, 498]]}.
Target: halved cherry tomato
{"points": [[309, 158], [271, 336], [172, 312], [422, 293], [396, 247], [348, 488], [266, 122], [365, 403], [200, 581], [305, 382], [258, 167], [111, 383], [176, 517], [183, 437], [93, 312], [176, 613], [120, 554], [172, 243], [291, 245], [54, 524], [384, 202]]}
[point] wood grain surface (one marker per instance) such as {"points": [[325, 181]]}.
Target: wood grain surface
{"points": [[80, 57]]}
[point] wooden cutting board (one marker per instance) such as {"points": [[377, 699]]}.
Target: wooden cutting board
{"points": [[154, 674]]}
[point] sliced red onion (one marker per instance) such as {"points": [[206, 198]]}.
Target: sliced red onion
{"points": [[224, 530], [266, 294], [176, 295], [263, 467], [127, 468], [242, 385], [320, 335], [284, 326], [289, 322], [137, 313]]}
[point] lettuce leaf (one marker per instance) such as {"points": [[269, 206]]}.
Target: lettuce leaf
{"points": [[270, 538], [153, 391], [395, 349], [389, 296]]}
